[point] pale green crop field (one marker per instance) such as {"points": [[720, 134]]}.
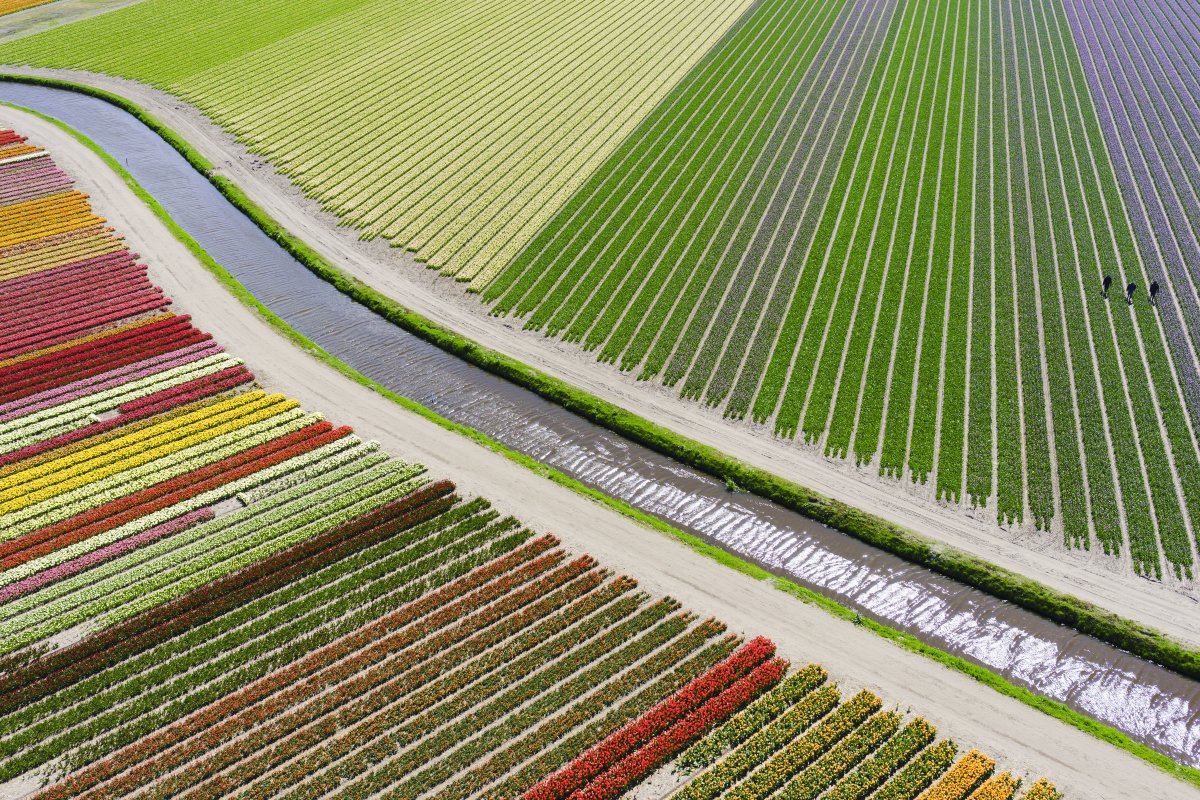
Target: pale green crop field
{"points": [[453, 129]]}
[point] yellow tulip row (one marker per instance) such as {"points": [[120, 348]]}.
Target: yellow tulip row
{"points": [[91, 337], [138, 439], [34, 219], [960, 779], [998, 787], [138, 453], [66, 248]]}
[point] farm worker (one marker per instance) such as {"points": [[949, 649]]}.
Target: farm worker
{"points": [[1107, 283], [1153, 292], [1129, 290]]}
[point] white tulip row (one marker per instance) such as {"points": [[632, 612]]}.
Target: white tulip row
{"points": [[362, 500], [113, 487], [172, 566], [293, 478], [322, 459], [246, 517], [50, 422]]}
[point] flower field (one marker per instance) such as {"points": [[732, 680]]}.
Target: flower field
{"points": [[877, 228], [207, 591], [926, 298], [465, 198], [9, 6]]}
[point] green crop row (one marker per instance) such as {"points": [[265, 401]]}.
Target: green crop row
{"points": [[873, 772], [842, 758], [155, 687], [718, 778], [919, 773], [648, 682], [481, 702], [560, 698], [752, 719], [798, 754], [149, 575], [389, 659]]}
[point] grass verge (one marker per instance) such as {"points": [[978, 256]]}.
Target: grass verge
{"points": [[827, 510]]}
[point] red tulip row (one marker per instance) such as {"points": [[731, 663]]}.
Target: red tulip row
{"points": [[55, 315], [97, 357], [167, 493], [662, 748], [617, 746], [68, 664], [127, 307], [132, 347], [380, 737], [649, 682], [137, 410], [70, 280], [204, 386], [41, 304], [360, 681], [101, 348], [533, 555]]}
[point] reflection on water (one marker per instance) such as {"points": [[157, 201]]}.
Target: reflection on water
{"points": [[1148, 703]]}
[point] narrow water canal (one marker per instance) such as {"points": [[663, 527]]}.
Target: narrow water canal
{"points": [[1150, 704]]}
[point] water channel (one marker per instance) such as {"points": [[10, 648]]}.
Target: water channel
{"points": [[1152, 705]]}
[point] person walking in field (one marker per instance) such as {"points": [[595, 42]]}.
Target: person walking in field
{"points": [[1153, 293], [1129, 290], [1107, 283]]}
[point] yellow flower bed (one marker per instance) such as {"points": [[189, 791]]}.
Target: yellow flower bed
{"points": [[960, 779]]}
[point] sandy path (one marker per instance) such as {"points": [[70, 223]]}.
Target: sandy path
{"points": [[1168, 606], [1019, 737]]}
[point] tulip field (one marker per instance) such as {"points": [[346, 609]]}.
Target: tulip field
{"points": [[206, 590], [875, 228], [9, 6]]}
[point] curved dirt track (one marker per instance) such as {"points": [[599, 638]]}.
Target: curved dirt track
{"points": [[1019, 737], [1092, 576]]}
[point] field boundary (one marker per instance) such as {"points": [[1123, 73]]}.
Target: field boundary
{"points": [[978, 573], [993, 680]]}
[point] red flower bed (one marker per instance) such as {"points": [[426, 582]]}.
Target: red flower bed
{"points": [[662, 748], [59, 304], [161, 495], [61, 667], [114, 266], [136, 410], [67, 284], [72, 368], [128, 348], [199, 387], [127, 308], [603, 755], [82, 352], [62, 305], [355, 676], [144, 748]]}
